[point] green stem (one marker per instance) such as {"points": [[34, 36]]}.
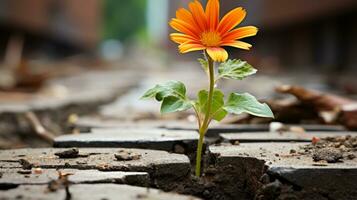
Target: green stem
{"points": [[199, 153], [210, 93], [204, 126]]}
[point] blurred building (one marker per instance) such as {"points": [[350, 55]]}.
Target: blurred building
{"points": [[303, 33], [58, 26]]}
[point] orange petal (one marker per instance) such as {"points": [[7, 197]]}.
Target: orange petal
{"points": [[180, 38], [188, 47], [183, 27], [186, 16], [238, 44], [231, 20], [212, 14], [217, 54], [240, 33], [198, 14]]}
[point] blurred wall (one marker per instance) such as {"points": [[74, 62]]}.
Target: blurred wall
{"points": [[67, 23], [309, 35]]}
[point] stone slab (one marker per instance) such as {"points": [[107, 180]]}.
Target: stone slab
{"points": [[300, 172], [13, 164], [71, 91], [280, 137], [277, 155], [12, 176], [88, 191], [216, 129], [156, 163], [158, 139], [85, 124]]}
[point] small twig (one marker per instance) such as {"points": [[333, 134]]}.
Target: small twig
{"points": [[39, 129]]}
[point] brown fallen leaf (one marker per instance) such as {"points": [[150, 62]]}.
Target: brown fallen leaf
{"points": [[321, 101], [331, 108]]}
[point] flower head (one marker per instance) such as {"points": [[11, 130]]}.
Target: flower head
{"points": [[203, 30]]}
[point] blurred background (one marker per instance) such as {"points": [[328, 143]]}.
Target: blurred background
{"points": [[294, 35], [42, 42]]}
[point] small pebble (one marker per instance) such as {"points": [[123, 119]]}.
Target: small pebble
{"points": [[292, 151], [179, 149], [351, 156], [71, 153], [38, 170], [265, 179], [206, 193], [127, 156], [25, 164]]}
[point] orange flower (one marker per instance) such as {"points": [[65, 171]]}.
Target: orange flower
{"points": [[203, 30]]}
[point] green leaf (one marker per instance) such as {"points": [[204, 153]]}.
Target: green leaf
{"points": [[171, 88], [173, 104], [239, 103], [217, 111], [204, 64], [172, 94], [235, 69]]}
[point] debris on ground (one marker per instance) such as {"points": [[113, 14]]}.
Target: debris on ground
{"points": [[24, 171], [329, 107], [330, 155], [281, 128], [315, 140], [25, 164], [309, 106], [71, 153], [126, 156], [60, 183], [38, 170], [38, 128], [332, 149]]}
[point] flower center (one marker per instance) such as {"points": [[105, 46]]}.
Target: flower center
{"points": [[210, 39]]}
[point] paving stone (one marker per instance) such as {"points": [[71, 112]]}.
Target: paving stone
{"points": [[88, 123], [300, 173], [102, 159], [43, 176], [279, 137], [216, 129], [85, 124], [78, 89], [162, 166], [79, 94], [275, 155], [13, 164], [158, 139], [89, 191]]}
